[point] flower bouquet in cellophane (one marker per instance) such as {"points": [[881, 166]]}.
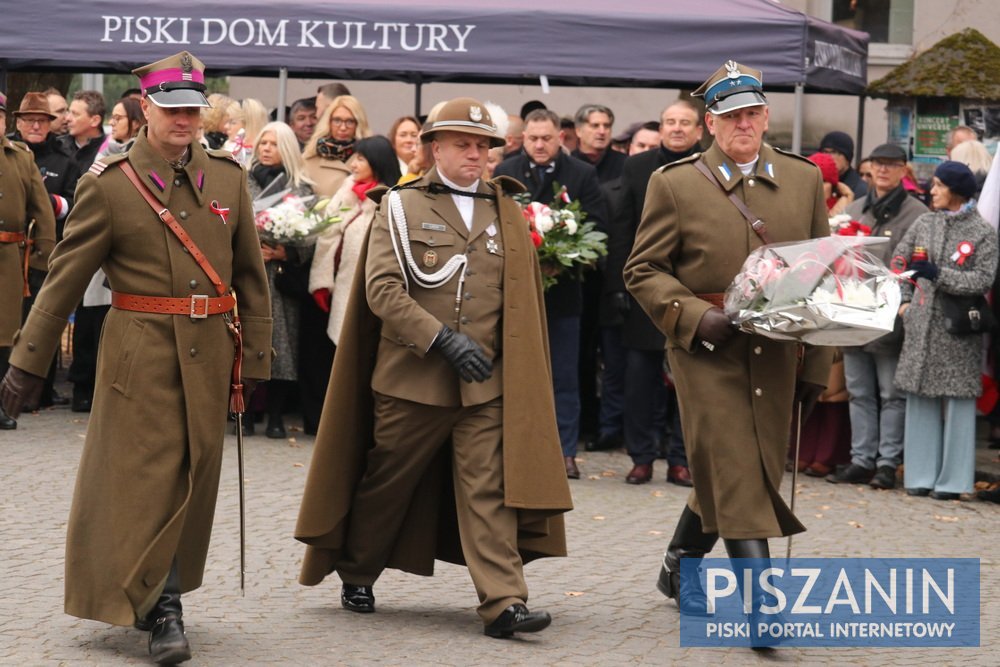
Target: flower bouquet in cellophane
{"points": [[563, 241], [287, 219], [826, 291]]}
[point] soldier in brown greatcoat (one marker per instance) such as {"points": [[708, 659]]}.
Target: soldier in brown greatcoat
{"points": [[735, 391], [145, 495], [444, 342], [23, 200]]}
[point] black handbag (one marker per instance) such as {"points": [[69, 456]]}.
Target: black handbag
{"points": [[967, 315]]}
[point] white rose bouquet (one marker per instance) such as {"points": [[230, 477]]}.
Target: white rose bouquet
{"points": [[287, 219]]}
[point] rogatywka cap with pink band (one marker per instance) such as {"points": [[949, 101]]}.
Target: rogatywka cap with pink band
{"points": [[177, 81]]}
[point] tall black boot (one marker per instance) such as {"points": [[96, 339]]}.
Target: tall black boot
{"points": [[168, 645], [689, 541], [758, 550]]}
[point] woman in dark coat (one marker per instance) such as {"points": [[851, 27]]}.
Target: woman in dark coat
{"points": [[939, 371]]}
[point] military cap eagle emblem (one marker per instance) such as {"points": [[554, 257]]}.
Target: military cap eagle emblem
{"points": [[475, 114], [732, 69]]}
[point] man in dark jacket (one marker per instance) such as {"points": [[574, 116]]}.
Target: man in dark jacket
{"points": [[86, 127], [541, 165], [840, 147], [680, 131]]}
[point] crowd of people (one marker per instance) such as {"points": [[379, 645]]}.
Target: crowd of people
{"points": [[637, 344]]}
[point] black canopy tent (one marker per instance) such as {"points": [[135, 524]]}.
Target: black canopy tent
{"points": [[638, 43]]}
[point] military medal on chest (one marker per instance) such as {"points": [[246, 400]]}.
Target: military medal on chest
{"points": [[491, 243], [430, 259]]}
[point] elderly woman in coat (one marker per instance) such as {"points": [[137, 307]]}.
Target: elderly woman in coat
{"points": [[275, 167], [940, 371]]}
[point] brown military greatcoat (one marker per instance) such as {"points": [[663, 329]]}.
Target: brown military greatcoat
{"points": [[22, 199], [736, 402], [149, 472], [533, 473]]}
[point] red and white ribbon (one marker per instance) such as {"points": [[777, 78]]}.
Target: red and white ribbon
{"points": [[218, 210], [964, 250]]}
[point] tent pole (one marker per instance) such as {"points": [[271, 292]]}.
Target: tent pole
{"points": [[861, 130], [417, 95], [282, 93], [797, 122]]}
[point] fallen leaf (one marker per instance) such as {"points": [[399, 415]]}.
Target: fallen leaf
{"points": [[946, 519], [574, 594], [855, 524], [657, 494], [609, 473], [297, 465], [656, 532], [291, 440], [598, 518], [824, 507], [818, 516], [593, 476]]}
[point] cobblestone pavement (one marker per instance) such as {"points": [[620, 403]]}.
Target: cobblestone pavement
{"points": [[606, 608]]}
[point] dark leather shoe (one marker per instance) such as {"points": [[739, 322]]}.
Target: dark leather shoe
{"points": [[679, 475], [815, 469], [852, 474], [918, 491], [572, 472], [275, 429], [885, 478], [640, 474], [605, 442], [7, 423], [168, 645], [82, 398], [517, 618], [944, 495], [357, 598]]}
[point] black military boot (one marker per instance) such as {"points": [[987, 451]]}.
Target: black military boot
{"points": [[758, 550], [168, 645], [689, 541]]}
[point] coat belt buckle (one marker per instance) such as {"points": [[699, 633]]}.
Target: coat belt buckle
{"points": [[199, 299]]}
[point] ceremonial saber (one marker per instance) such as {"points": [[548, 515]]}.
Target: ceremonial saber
{"points": [[238, 407], [795, 471], [243, 513]]}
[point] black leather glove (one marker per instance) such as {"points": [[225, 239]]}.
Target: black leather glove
{"points": [[621, 303], [715, 327], [19, 388], [807, 393], [464, 354], [925, 269]]}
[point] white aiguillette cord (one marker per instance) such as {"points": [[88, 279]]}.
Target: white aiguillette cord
{"points": [[456, 264]]}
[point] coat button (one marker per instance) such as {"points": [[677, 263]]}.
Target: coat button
{"points": [[467, 295], [185, 249], [177, 183], [31, 347], [194, 352], [465, 320], [675, 304], [756, 350], [184, 215], [260, 355], [758, 392], [194, 283], [751, 182]]}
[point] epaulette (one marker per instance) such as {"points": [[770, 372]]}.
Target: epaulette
{"points": [[510, 185], [23, 146], [789, 154], [100, 165], [223, 154], [376, 193], [684, 160]]}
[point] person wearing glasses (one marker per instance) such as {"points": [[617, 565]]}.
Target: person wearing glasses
{"points": [[332, 144], [126, 119], [877, 407]]}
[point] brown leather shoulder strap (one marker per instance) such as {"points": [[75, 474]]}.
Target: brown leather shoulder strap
{"points": [[164, 214], [756, 224]]}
